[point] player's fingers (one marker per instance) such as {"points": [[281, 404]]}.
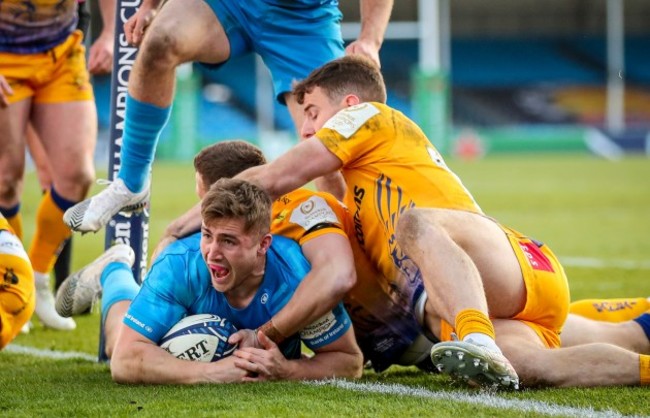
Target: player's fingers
{"points": [[129, 25], [266, 342]]}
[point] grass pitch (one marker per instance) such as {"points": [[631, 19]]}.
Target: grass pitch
{"points": [[593, 213]]}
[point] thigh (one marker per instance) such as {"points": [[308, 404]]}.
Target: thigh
{"points": [[68, 133], [490, 250]]}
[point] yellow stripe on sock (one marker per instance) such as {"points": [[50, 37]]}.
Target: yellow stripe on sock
{"points": [[49, 236], [644, 369], [473, 320]]}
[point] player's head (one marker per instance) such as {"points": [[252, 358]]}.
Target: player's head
{"points": [[344, 82], [235, 232], [224, 160]]}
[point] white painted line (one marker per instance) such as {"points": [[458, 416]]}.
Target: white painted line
{"points": [[598, 263], [480, 398], [50, 354]]}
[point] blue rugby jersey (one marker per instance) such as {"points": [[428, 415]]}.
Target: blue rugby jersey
{"points": [[179, 284]]}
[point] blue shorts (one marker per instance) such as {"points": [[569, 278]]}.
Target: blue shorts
{"points": [[291, 41]]}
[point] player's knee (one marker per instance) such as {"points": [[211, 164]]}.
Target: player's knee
{"points": [[77, 182], [10, 187], [161, 49]]}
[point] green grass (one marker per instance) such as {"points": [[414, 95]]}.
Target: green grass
{"points": [[580, 206]]}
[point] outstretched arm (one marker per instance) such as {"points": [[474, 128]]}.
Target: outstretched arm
{"points": [[298, 166], [374, 20], [100, 56], [137, 359]]}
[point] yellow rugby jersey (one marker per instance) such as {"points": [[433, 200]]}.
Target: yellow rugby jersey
{"points": [[389, 166], [379, 306], [32, 26]]}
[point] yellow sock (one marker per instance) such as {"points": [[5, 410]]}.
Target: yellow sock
{"points": [[610, 310], [16, 223], [472, 320], [644, 369], [4, 224], [49, 236]]}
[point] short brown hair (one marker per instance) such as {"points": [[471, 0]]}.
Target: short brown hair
{"points": [[352, 74], [226, 159], [238, 199]]}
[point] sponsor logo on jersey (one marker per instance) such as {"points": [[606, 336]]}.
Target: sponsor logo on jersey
{"points": [[358, 227], [348, 121], [319, 327], [536, 257]]}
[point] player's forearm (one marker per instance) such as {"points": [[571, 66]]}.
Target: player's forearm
{"points": [[333, 184], [374, 20], [186, 224], [107, 10], [147, 363], [345, 362]]}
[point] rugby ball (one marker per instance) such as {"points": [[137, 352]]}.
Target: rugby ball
{"points": [[202, 337]]}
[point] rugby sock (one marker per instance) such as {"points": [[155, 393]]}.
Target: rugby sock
{"points": [[644, 321], [15, 219], [51, 233], [472, 324], [142, 126], [118, 284], [4, 225], [644, 369], [610, 310]]}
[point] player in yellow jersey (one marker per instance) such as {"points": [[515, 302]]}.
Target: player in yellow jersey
{"points": [[415, 217], [16, 285], [44, 82]]}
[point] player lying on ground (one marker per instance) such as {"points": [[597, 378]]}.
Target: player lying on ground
{"points": [[386, 327], [415, 217], [16, 285], [234, 269]]}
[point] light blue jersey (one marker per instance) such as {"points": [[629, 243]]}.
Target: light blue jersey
{"points": [[179, 284]]}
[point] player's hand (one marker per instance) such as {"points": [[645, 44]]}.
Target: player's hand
{"points": [[267, 363], [5, 90], [100, 57], [135, 27], [365, 48], [226, 371], [245, 338]]}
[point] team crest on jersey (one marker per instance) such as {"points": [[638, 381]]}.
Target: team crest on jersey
{"points": [[318, 327], [347, 121], [312, 212]]}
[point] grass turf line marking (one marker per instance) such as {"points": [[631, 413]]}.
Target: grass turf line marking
{"points": [[481, 399], [599, 263], [50, 354]]}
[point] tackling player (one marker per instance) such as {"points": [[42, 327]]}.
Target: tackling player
{"points": [[415, 217], [235, 269]]}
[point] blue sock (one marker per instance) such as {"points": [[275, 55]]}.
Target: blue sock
{"points": [[63, 203], [644, 321], [9, 212], [121, 286], [142, 126]]}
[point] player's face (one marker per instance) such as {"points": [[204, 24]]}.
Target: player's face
{"points": [[318, 109], [234, 258]]}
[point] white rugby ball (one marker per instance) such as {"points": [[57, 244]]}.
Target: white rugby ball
{"points": [[202, 337]]}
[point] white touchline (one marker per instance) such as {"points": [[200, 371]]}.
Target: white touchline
{"points": [[51, 354], [479, 398], [600, 263]]}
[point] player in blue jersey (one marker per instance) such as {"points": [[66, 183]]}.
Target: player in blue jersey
{"points": [[234, 268], [292, 37]]}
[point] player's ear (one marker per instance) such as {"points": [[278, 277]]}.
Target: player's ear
{"points": [[265, 243], [351, 100]]}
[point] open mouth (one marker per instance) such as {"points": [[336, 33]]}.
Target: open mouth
{"points": [[219, 272]]}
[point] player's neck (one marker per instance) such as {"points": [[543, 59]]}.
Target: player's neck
{"points": [[242, 295]]}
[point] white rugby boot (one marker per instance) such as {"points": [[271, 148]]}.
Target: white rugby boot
{"points": [[475, 364], [81, 289], [44, 308], [93, 214]]}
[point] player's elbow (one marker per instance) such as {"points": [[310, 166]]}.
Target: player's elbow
{"points": [[354, 362]]}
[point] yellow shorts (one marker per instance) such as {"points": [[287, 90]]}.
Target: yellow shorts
{"points": [[56, 76], [547, 298], [17, 297]]}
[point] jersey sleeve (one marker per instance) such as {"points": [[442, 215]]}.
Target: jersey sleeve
{"points": [[308, 215], [159, 305], [326, 329], [356, 134]]}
